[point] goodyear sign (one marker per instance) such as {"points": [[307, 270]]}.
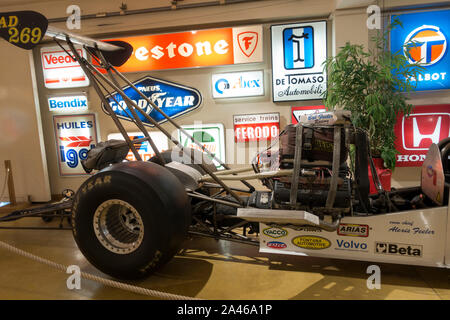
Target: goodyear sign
{"points": [[426, 35], [173, 99]]}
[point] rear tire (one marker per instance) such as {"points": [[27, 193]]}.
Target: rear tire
{"points": [[130, 219]]}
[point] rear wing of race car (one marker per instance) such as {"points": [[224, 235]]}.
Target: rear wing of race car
{"points": [[26, 29]]}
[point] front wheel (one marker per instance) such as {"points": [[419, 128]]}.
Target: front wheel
{"points": [[130, 219]]}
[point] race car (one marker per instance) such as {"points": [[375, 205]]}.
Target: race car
{"points": [[130, 218]]}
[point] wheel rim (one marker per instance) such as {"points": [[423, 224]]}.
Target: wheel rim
{"points": [[118, 226]]}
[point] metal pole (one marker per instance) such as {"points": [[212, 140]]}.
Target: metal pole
{"points": [[11, 190]]}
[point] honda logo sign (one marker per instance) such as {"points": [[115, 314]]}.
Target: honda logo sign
{"points": [[415, 133]]}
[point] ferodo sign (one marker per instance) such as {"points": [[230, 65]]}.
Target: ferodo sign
{"points": [[75, 135], [415, 133], [60, 70], [143, 148], [211, 136], [195, 49], [427, 36], [172, 98], [256, 127]]}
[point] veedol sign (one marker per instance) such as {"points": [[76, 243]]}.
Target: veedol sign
{"points": [[195, 49], [60, 70], [298, 52], [173, 99], [238, 84], [415, 133], [427, 36]]}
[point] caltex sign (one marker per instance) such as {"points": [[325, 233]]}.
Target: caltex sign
{"points": [[427, 36], [211, 136], [172, 98], [415, 133], [298, 52]]}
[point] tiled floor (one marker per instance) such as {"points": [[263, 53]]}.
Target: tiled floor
{"points": [[210, 269]]}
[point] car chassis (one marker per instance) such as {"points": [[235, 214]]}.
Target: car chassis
{"points": [[314, 205]]}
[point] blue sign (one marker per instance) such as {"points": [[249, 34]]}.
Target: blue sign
{"points": [[173, 99], [427, 35], [298, 45]]}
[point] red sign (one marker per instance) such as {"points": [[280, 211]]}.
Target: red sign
{"points": [[415, 133], [256, 127], [296, 112], [194, 49]]}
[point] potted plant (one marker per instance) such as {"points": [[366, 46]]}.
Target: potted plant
{"points": [[373, 84]]}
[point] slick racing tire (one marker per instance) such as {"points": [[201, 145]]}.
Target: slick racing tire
{"points": [[130, 218]]}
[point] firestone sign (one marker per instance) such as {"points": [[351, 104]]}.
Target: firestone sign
{"points": [[60, 70], [415, 133], [298, 52], [427, 36], [172, 98], [200, 48]]}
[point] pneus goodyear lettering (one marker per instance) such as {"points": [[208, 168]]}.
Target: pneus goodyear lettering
{"points": [[311, 242], [100, 180], [24, 29]]}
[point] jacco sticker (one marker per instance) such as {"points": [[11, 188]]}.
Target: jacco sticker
{"points": [[24, 29]]}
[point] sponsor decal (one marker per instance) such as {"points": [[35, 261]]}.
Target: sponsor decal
{"points": [[351, 245], [297, 112], [415, 133], [60, 70], [409, 228], [75, 135], [201, 48], [297, 73], [143, 148], [211, 136], [172, 98], [275, 232], [353, 230], [256, 127], [238, 84], [276, 245], [426, 35], [311, 242], [68, 103], [399, 249]]}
